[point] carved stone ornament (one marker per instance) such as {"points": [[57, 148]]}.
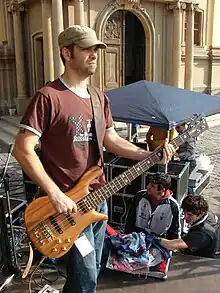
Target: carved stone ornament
{"points": [[113, 28], [113, 5], [177, 6], [192, 7], [14, 6], [129, 3]]}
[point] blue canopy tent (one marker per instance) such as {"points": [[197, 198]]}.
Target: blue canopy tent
{"points": [[159, 105]]}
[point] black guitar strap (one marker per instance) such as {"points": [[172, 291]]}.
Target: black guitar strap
{"points": [[97, 113]]}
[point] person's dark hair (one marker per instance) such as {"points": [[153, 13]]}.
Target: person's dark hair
{"points": [[195, 204], [70, 47], [161, 179]]}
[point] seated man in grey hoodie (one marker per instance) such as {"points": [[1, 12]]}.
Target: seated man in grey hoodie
{"points": [[155, 210]]}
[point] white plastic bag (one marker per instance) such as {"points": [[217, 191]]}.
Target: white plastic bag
{"points": [[203, 162]]}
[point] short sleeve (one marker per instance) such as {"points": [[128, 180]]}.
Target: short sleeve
{"points": [[196, 240], [38, 114]]}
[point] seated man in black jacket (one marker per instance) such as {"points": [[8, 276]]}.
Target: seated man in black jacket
{"points": [[201, 237], [155, 210]]}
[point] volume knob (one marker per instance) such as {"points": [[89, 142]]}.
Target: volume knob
{"points": [[64, 248], [68, 240], [58, 241]]}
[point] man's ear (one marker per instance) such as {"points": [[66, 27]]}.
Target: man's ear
{"points": [[162, 190], [66, 54]]}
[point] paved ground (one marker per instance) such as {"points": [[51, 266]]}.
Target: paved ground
{"points": [[208, 145]]}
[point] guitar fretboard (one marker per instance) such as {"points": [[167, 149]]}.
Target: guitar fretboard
{"points": [[92, 200]]}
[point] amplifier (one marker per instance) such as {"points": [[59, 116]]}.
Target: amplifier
{"points": [[109, 159], [119, 166], [179, 173], [119, 205]]}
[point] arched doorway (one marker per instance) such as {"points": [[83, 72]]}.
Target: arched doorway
{"points": [[124, 58]]}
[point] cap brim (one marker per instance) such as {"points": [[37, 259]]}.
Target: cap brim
{"points": [[89, 43]]}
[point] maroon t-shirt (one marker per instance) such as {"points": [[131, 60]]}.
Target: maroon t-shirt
{"points": [[65, 125]]}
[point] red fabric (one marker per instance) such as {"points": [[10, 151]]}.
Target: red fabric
{"points": [[155, 202], [111, 231]]}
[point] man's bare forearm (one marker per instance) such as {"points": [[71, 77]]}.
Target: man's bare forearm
{"points": [[126, 149], [173, 244]]}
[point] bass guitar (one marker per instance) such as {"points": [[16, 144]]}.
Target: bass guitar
{"points": [[53, 234]]}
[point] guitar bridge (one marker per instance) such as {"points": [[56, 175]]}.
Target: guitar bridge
{"points": [[43, 232]]}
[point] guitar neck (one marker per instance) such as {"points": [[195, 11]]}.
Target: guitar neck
{"points": [[106, 191]]}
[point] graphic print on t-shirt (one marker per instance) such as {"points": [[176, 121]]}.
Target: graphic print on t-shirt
{"points": [[81, 134]]}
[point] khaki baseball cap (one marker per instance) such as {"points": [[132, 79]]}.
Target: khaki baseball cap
{"points": [[81, 36]]}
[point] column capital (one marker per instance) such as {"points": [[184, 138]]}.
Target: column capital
{"points": [[177, 6], [192, 7], [13, 6]]}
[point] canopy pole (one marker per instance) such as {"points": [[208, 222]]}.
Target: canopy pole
{"points": [[129, 125], [166, 165]]}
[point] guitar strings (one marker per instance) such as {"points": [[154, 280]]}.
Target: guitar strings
{"points": [[82, 206], [58, 218]]}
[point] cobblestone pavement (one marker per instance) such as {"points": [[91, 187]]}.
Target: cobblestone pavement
{"points": [[209, 144]]}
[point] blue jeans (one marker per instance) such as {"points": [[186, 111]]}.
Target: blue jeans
{"points": [[82, 272]]}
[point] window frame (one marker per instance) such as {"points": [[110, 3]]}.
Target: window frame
{"points": [[200, 30]]}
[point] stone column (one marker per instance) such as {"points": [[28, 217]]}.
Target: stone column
{"points": [[176, 52], [2, 23], [47, 40], [189, 51], [71, 13], [57, 27], [79, 12], [19, 50]]}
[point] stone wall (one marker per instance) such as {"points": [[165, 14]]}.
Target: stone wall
{"points": [[7, 79]]}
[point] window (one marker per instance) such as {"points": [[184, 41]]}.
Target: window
{"points": [[198, 28], [198, 20]]}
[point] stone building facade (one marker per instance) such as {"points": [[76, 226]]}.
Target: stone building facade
{"points": [[168, 41]]}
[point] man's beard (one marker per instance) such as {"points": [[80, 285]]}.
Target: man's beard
{"points": [[92, 69], [87, 71]]}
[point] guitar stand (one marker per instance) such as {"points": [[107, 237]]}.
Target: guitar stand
{"points": [[10, 267]]}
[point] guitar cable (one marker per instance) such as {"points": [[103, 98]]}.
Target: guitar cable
{"points": [[34, 271]]}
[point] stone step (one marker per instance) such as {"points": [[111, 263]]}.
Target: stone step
{"points": [[8, 131], [8, 128], [5, 141], [12, 120]]}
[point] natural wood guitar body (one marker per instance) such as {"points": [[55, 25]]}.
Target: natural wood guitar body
{"points": [[52, 234]]}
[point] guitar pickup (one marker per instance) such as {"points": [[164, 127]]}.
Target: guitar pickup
{"points": [[70, 220], [55, 224]]}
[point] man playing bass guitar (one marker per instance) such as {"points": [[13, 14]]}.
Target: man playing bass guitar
{"points": [[60, 117]]}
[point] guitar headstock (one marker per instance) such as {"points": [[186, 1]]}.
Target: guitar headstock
{"points": [[197, 126]]}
